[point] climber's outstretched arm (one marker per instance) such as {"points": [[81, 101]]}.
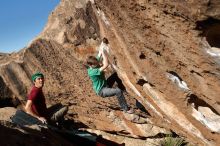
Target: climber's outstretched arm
{"points": [[105, 61]]}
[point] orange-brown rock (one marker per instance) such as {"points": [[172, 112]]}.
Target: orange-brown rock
{"points": [[162, 50]]}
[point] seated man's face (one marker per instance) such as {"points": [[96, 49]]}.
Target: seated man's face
{"points": [[39, 82]]}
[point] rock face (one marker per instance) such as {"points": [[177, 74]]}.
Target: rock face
{"points": [[165, 52]]}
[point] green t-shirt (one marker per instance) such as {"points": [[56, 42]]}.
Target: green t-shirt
{"points": [[98, 79]]}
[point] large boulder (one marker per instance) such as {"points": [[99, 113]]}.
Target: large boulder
{"points": [[162, 51]]}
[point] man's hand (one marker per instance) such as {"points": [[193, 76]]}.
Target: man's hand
{"points": [[43, 120]]}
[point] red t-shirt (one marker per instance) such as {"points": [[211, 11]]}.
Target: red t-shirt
{"points": [[38, 100]]}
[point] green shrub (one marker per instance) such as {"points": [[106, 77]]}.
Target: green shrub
{"points": [[171, 141]]}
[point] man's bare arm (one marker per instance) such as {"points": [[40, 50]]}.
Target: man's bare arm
{"points": [[34, 114], [105, 61]]}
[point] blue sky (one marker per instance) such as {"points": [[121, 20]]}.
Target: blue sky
{"points": [[21, 21]]}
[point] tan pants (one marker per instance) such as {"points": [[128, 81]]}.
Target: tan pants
{"points": [[57, 112]]}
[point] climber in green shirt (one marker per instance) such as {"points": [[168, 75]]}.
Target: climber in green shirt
{"points": [[102, 86]]}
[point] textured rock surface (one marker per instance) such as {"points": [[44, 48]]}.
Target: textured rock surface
{"points": [[150, 41]]}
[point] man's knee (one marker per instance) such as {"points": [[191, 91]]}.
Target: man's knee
{"points": [[59, 114], [64, 109], [118, 91]]}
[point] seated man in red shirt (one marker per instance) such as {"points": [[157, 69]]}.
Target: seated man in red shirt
{"points": [[36, 105]]}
